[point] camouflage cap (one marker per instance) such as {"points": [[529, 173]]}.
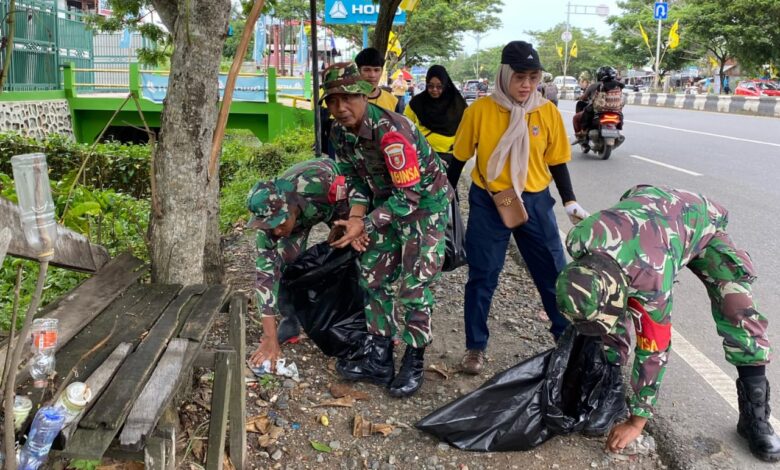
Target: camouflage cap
{"points": [[344, 78], [269, 202], [592, 293]]}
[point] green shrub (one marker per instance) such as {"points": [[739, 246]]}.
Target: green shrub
{"points": [[121, 167]]}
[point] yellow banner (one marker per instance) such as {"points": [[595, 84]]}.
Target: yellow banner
{"points": [[644, 35], [674, 35], [408, 5], [560, 51], [573, 51]]}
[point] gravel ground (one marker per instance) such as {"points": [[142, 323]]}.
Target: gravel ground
{"points": [[291, 424]]}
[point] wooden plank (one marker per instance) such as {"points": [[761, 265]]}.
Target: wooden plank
{"points": [[237, 335], [219, 409], [91, 441], [156, 394], [79, 306], [154, 454], [203, 313], [72, 250], [5, 240], [113, 406], [98, 381]]}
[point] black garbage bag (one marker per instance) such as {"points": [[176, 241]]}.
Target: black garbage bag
{"points": [[573, 386], [455, 239], [503, 414], [320, 291], [524, 406]]}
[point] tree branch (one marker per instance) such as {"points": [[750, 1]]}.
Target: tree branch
{"points": [[168, 11]]}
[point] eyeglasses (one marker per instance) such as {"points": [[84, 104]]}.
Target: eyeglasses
{"points": [[431, 86]]}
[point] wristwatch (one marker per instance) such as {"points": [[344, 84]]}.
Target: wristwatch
{"points": [[368, 226]]}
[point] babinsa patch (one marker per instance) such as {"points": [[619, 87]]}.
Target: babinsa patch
{"points": [[650, 336], [401, 160]]}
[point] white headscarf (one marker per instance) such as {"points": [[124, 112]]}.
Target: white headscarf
{"points": [[514, 145]]}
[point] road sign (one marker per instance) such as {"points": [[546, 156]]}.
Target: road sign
{"points": [[566, 36], [660, 10], [356, 12]]}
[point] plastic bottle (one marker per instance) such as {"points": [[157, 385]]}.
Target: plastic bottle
{"points": [[44, 345], [73, 400], [36, 207], [46, 425]]}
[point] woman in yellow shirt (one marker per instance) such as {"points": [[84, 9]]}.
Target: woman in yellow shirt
{"points": [[437, 111], [520, 142]]}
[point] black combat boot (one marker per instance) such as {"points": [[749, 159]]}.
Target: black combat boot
{"points": [[375, 363], [410, 375], [753, 425], [613, 405]]}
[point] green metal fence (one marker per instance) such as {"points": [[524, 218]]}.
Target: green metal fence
{"points": [[44, 38]]}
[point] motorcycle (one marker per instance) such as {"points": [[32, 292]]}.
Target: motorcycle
{"points": [[604, 135]]}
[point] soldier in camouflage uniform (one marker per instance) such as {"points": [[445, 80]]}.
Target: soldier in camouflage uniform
{"points": [[389, 167], [284, 211], [627, 258]]}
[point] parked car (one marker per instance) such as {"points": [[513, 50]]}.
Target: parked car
{"points": [[567, 84], [757, 88], [471, 90]]}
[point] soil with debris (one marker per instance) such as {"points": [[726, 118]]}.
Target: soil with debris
{"points": [[310, 424]]}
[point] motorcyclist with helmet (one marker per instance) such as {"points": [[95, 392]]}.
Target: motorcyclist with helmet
{"points": [[606, 80]]}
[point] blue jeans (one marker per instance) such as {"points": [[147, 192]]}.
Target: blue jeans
{"points": [[486, 243]]}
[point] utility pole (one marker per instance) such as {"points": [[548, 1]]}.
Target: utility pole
{"points": [[599, 10], [477, 37]]}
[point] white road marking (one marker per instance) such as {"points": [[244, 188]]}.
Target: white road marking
{"points": [[711, 373], [710, 134], [677, 168]]}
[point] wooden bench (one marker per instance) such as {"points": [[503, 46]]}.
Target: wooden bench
{"points": [[136, 345]]}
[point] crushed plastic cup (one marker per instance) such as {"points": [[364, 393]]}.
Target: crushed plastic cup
{"points": [[282, 369], [22, 408]]}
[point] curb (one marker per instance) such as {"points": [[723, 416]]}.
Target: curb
{"points": [[752, 105]]}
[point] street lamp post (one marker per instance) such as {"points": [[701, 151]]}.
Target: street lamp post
{"points": [[600, 10]]}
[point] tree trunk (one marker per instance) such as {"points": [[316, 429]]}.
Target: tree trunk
{"points": [[178, 236], [384, 23]]}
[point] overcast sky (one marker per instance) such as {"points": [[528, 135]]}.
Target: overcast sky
{"points": [[519, 16]]}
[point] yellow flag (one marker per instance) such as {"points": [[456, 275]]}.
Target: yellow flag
{"points": [[644, 35], [560, 51], [713, 62], [408, 5], [674, 35], [573, 51], [394, 45]]}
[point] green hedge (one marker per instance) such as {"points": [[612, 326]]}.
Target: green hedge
{"points": [[110, 204]]}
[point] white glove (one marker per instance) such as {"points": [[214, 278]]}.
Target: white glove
{"points": [[576, 213]]}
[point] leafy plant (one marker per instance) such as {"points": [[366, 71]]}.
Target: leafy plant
{"points": [[83, 464]]}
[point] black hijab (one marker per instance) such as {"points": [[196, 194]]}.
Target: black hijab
{"points": [[441, 115]]}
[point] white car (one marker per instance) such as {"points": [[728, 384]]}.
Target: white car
{"points": [[567, 84]]}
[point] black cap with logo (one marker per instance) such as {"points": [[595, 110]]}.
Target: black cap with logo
{"points": [[521, 56]]}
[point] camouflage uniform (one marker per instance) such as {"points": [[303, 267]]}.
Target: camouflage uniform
{"points": [[652, 233], [409, 216], [312, 186]]}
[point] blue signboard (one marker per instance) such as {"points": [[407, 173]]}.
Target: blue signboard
{"points": [[155, 86], [356, 12], [660, 10]]}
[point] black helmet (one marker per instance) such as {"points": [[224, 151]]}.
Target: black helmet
{"points": [[606, 73]]}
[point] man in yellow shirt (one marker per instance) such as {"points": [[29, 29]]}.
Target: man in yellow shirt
{"points": [[371, 65], [520, 142]]}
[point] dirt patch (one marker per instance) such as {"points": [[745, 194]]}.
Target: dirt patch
{"points": [[291, 430]]}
